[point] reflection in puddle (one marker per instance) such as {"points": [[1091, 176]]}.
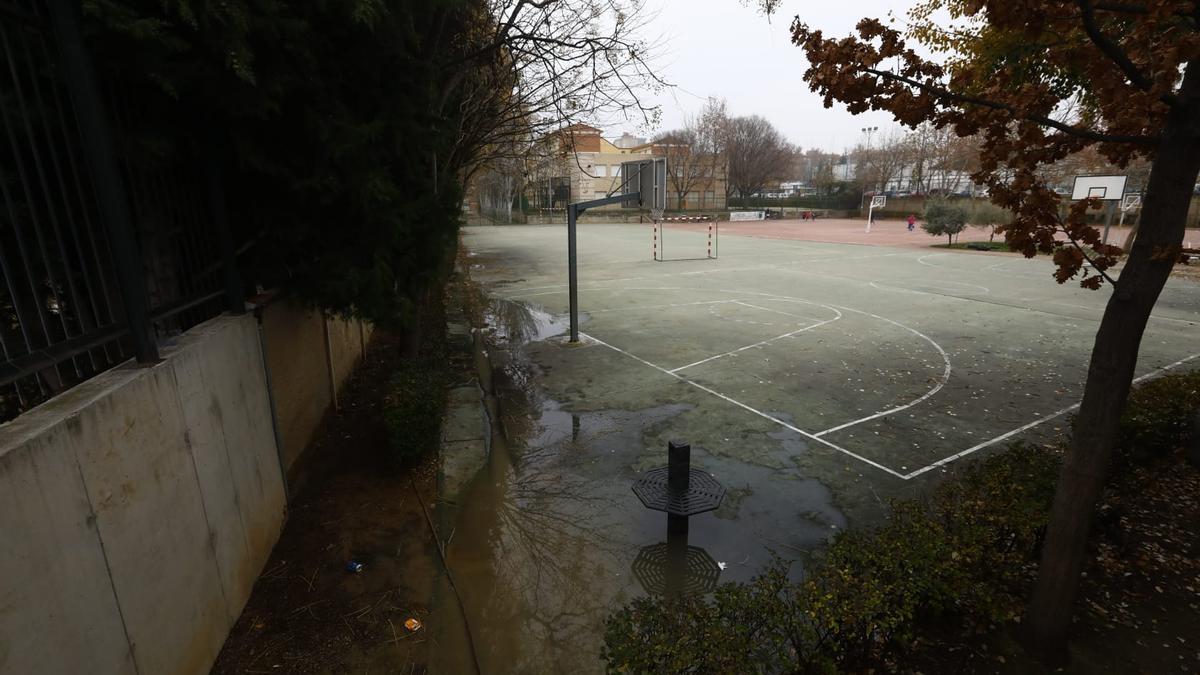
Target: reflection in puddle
{"points": [[543, 539]]}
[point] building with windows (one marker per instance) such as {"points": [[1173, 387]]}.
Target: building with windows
{"points": [[577, 163]]}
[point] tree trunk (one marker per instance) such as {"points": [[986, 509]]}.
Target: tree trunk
{"points": [[1110, 372]]}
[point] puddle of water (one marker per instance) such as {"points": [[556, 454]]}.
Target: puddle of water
{"points": [[548, 538], [515, 323]]}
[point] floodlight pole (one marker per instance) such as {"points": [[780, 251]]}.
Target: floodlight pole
{"points": [[573, 213]]}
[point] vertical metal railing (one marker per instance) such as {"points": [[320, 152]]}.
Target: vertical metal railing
{"points": [[105, 251]]}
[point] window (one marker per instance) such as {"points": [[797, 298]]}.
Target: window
{"points": [[709, 197], [601, 170]]}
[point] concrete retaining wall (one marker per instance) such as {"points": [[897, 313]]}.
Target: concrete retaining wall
{"points": [[137, 509], [310, 357]]}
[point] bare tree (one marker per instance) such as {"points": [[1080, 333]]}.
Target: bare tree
{"points": [[879, 163], [539, 65], [757, 153], [685, 166], [498, 186]]}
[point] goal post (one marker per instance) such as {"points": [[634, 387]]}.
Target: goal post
{"points": [[712, 232]]}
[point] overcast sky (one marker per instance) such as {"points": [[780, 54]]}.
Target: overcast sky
{"points": [[720, 48]]}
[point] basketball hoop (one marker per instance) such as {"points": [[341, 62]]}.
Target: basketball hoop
{"points": [[656, 215]]}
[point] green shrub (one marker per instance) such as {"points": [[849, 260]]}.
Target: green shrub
{"points": [[944, 217], [988, 216], [961, 555], [756, 627], [415, 406], [954, 564], [1158, 416]]}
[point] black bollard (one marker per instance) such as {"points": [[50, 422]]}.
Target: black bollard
{"points": [[679, 466], [679, 568]]}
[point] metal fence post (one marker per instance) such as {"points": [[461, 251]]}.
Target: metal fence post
{"points": [[100, 149]]}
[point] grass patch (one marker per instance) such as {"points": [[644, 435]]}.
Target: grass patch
{"points": [[943, 570]]}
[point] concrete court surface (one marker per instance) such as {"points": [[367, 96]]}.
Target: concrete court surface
{"points": [[815, 381], [895, 361]]}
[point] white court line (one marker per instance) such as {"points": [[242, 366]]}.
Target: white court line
{"points": [[747, 408], [905, 289], [524, 291], [758, 268], [759, 344], [926, 395], [775, 311], [1041, 420], [676, 304], [1190, 322], [985, 289], [817, 438], [584, 290], [921, 260]]}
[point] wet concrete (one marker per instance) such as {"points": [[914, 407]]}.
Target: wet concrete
{"points": [[815, 381]]}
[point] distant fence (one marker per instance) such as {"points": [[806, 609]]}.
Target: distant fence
{"points": [[839, 202], [104, 251]]}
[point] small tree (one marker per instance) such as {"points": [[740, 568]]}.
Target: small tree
{"points": [[988, 216], [942, 217]]}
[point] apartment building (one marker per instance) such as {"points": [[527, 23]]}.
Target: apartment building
{"points": [[578, 164]]}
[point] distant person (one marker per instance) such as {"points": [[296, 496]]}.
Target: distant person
{"points": [[912, 222], [813, 214]]}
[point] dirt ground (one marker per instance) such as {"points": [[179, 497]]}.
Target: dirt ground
{"points": [[1139, 605], [307, 613]]}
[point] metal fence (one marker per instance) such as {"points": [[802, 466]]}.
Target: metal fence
{"points": [[105, 253]]}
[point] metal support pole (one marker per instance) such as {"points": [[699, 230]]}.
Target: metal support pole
{"points": [[572, 272], [1108, 220], [1108, 216], [100, 150]]}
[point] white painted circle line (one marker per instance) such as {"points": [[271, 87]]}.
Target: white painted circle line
{"points": [[759, 343], [747, 408], [922, 259], [906, 406], [1041, 420]]}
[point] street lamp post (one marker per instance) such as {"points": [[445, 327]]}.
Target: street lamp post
{"points": [[868, 131]]}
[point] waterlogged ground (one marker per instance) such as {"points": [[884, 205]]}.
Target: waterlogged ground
{"points": [[545, 535]]}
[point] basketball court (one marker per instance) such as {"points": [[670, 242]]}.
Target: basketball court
{"points": [[814, 381], [894, 361]]}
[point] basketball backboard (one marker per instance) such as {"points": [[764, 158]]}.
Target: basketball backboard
{"points": [[1130, 202], [1104, 187], [649, 176], [878, 201]]}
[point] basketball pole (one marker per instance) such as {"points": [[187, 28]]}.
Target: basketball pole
{"points": [[1108, 217], [572, 271], [573, 213]]}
